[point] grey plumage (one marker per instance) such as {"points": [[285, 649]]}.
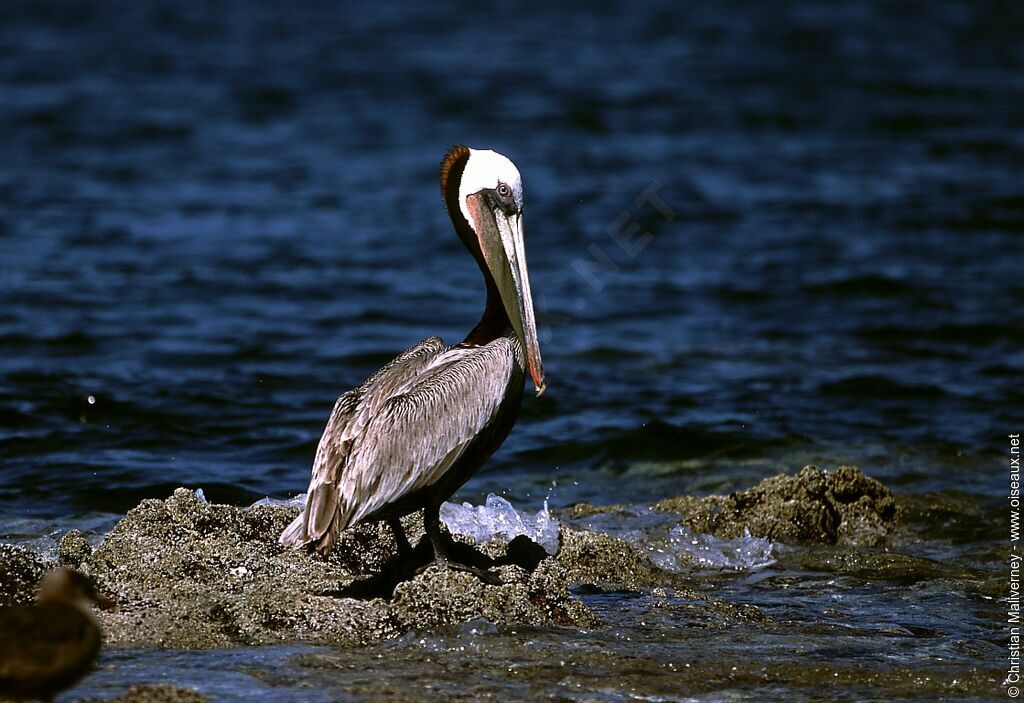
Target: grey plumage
{"points": [[402, 431]]}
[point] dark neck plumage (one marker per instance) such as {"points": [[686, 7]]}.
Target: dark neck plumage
{"points": [[494, 322]]}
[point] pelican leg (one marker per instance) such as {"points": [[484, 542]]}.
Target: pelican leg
{"points": [[443, 548], [404, 549], [432, 524]]}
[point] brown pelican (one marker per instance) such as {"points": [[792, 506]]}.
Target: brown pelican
{"points": [[415, 431], [48, 646]]}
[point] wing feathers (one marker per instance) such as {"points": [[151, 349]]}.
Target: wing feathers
{"points": [[347, 421], [400, 431], [321, 506], [418, 435]]}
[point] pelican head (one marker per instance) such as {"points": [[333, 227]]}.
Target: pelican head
{"points": [[490, 198]]}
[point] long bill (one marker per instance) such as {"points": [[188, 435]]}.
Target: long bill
{"points": [[507, 264]]}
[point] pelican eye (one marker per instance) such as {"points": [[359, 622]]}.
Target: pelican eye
{"points": [[504, 191]]}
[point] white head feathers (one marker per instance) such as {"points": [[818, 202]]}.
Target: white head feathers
{"points": [[486, 169]]}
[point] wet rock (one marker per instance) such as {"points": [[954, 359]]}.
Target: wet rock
{"points": [[186, 573], [159, 693], [20, 571], [442, 596], [701, 611], [598, 559], [813, 507], [601, 562], [583, 509], [876, 566], [73, 549], [938, 515]]}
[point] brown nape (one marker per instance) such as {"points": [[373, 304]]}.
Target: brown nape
{"points": [[452, 166], [494, 322]]}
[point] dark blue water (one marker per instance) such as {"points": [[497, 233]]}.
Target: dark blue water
{"points": [[216, 217]]}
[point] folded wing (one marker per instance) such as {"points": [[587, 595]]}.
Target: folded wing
{"points": [[400, 431]]}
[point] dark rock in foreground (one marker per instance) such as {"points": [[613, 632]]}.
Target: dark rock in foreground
{"points": [[186, 573], [813, 507]]}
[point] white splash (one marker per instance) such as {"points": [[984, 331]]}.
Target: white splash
{"points": [[744, 553], [495, 518], [298, 501], [499, 518], [673, 547]]}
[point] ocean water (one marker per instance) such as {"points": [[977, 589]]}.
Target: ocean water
{"points": [[759, 235]]}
